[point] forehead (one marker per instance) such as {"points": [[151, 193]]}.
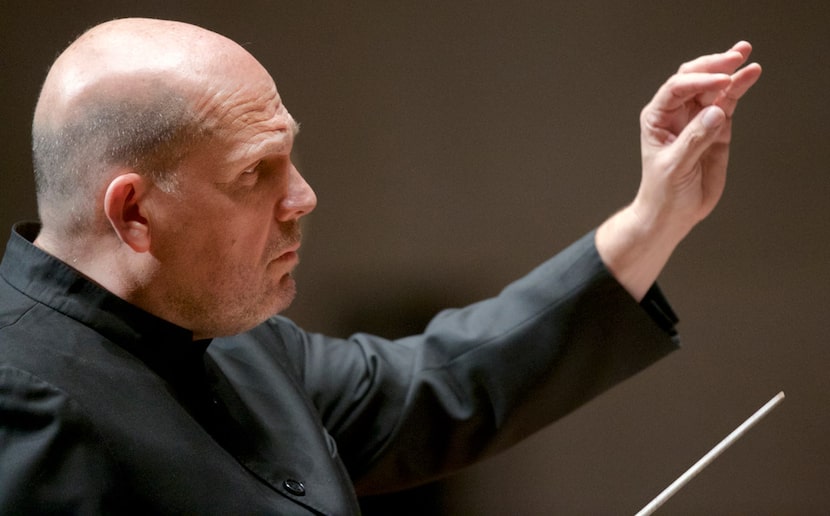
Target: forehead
{"points": [[250, 119]]}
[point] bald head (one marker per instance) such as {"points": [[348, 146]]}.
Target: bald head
{"points": [[132, 94]]}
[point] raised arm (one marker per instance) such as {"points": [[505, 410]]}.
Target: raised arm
{"points": [[685, 135]]}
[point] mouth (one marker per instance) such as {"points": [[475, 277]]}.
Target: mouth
{"points": [[289, 254], [285, 247]]}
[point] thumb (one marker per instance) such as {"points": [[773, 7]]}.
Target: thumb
{"points": [[699, 136], [712, 117]]}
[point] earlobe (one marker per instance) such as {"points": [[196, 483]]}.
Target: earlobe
{"points": [[124, 207]]}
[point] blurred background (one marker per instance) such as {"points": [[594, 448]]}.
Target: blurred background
{"points": [[455, 145]]}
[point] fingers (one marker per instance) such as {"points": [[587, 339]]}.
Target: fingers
{"points": [[744, 47], [725, 62], [681, 88], [715, 79], [704, 142], [742, 80]]}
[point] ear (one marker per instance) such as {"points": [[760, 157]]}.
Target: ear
{"points": [[124, 207]]}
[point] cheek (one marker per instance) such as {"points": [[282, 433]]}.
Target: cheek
{"points": [[227, 235], [241, 248]]}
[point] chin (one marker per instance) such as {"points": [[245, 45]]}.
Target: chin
{"points": [[279, 298], [253, 310]]}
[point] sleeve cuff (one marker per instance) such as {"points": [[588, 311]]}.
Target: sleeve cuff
{"points": [[658, 308]]}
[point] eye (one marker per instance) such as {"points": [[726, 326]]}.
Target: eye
{"points": [[252, 169]]}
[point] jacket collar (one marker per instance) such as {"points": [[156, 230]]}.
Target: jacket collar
{"points": [[162, 345]]}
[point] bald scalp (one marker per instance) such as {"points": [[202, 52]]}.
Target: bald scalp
{"points": [[127, 94]]}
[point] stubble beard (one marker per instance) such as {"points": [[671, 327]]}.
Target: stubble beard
{"points": [[243, 306]]}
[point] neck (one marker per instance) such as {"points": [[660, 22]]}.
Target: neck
{"points": [[100, 259]]}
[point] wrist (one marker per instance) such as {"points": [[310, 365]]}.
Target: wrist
{"points": [[635, 246]]}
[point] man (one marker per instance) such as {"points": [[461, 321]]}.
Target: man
{"points": [[142, 368]]}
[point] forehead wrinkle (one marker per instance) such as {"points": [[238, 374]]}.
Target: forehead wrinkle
{"points": [[277, 132], [252, 120], [267, 137], [232, 107]]}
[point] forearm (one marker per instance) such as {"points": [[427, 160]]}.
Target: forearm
{"points": [[486, 376]]}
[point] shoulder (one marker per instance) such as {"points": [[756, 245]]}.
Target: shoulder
{"points": [[28, 400], [39, 422]]}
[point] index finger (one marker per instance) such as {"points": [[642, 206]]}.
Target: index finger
{"points": [[681, 88]]}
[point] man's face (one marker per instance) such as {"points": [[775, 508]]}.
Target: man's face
{"points": [[227, 238]]}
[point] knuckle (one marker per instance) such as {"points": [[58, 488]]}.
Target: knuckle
{"points": [[651, 119], [646, 120], [694, 138]]}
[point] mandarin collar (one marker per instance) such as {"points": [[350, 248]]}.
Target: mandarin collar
{"points": [[166, 348]]}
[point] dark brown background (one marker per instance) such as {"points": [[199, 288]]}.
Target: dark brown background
{"points": [[455, 145]]}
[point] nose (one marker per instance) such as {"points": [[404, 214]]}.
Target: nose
{"points": [[299, 198]]}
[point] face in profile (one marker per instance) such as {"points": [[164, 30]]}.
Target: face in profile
{"points": [[229, 234]]}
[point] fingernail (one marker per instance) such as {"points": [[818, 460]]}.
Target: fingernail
{"points": [[713, 117]]}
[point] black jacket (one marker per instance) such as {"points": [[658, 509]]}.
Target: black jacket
{"points": [[105, 408]]}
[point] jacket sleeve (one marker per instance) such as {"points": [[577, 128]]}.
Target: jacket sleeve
{"points": [[480, 378]]}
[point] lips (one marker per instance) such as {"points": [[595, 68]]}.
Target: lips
{"points": [[288, 243], [289, 254]]}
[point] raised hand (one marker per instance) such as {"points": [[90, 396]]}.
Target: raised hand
{"points": [[685, 133]]}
